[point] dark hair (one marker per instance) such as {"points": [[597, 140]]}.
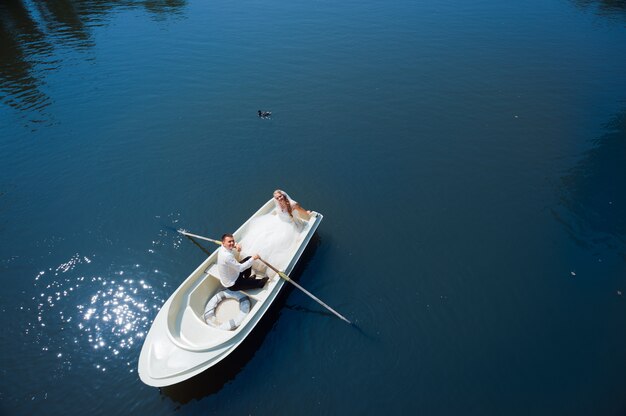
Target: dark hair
{"points": [[227, 235]]}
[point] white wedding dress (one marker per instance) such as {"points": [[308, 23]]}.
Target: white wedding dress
{"points": [[273, 237]]}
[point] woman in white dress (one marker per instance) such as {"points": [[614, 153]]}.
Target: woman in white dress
{"points": [[289, 209], [273, 235]]}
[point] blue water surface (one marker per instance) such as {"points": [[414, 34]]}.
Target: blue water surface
{"points": [[468, 157]]}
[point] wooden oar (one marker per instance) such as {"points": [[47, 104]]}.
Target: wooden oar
{"points": [[287, 278], [281, 274]]}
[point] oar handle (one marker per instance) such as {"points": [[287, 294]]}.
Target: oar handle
{"points": [[281, 274]]}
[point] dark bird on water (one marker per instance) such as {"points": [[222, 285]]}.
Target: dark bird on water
{"points": [[264, 114]]}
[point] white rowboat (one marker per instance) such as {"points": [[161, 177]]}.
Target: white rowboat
{"points": [[180, 344]]}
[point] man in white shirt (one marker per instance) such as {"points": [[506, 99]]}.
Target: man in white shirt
{"points": [[236, 275]]}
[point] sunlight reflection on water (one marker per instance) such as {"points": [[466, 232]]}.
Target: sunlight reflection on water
{"points": [[107, 314]]}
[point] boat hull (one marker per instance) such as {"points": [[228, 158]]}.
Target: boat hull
{"points": [[180, 344]]}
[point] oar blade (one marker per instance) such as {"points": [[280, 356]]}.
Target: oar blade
{"points": [[188, 234]]}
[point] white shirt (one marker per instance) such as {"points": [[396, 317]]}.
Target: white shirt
{"points": [[228, 266]]}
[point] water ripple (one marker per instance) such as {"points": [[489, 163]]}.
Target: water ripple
{"points": [[80, 312]]}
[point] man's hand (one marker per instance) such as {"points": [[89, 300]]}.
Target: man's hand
{"points": [[256, 257], [238, 247]]}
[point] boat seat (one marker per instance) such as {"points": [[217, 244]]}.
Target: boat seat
{"points": [[256, 294], [212, 270]]}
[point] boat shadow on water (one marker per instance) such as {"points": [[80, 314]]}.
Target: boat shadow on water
{"points": [[215, 378]]}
